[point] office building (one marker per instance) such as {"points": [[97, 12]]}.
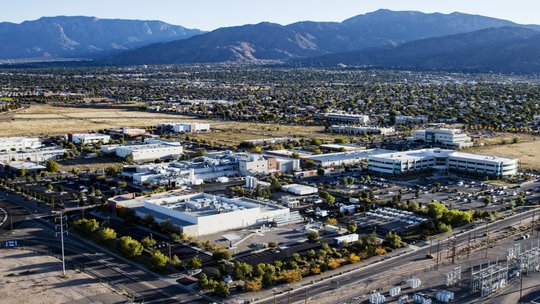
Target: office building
{"points": [[443, 138], [19, 143], [348, 129], [89, 138]]}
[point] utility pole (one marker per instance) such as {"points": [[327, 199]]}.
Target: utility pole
{"points": [[469, 247], [520, 285], [61, 217], [11, 219], [305, 295], [438, 249], [170, 254], [487, 240], [532, 224], [430, 245], [454, 250]]}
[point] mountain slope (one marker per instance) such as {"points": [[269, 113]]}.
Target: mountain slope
{"points": [[266, 41], [504, 49], [83, 36]]}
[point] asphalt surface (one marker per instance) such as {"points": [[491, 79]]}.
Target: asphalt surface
{"points": [[107, 267]]}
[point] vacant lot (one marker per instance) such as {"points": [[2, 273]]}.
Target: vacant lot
{"points": [[51, 120], [32, 278], [48, 119], [527, 152]]}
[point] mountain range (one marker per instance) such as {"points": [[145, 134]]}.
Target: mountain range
{"points": [[384, 38], [77, 36]]}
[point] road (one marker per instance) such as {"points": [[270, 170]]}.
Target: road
{"points": [[106, 266], [299, 294]]}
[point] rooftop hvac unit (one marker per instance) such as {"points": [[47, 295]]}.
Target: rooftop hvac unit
{"points": [[376, 298], [414, 283], [445, 296], [395, 291]]}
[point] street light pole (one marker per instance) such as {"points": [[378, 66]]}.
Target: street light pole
{"points": [[61, 226]]}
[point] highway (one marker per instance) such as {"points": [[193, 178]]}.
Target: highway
{"points": [[300, 293], [106, 266]]}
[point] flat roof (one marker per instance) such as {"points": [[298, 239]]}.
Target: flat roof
{"points": [[414, 154], [340, 156], [481, 157], [348, 147], [289, 152]]}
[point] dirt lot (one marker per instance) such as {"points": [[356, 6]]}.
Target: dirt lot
{"points": [[527, 152], [49, 119], [32, 278]]}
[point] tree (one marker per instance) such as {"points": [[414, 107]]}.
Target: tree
{"points": [[331, 221], [436, 210], [333, 263], [242, 270], [313, 236], [194, 263], [148, 242], [203, 281], [107, 234], [49, 186], [159, 259], [175, 261], [292, 276], [52, 166], [253, 285], [148, 220], [320, 172], [221, 255], [130, 246], [221, 290], [353, 258], [87, 225], [351, 226], [393, 240]]}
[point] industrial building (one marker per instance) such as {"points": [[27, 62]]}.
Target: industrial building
{"points": [[89, 138], [35, 155], [266, 141], [348, 129], [342, 147], [209, 167], [443, 138], [344, 158], [19, 143], [443, 161], [184, 127], [148, 150], [290, 153], [345, 117], [200, 214]]}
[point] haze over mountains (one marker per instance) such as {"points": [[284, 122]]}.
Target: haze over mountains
{"points": [[382, 38], [83, 36]]}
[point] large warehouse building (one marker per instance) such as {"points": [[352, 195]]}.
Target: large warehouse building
{"points": [[200, 213]]}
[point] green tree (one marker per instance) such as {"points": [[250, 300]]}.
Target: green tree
{"points": [[393, 240], [194, 263], [203, 281], [107, 234], [130, 247], [436, 210], [313, 236], [222, 255], [159, 260], [52, 166], [148, 242], [175, 261], [351, 226], [242, 271], [87, 225], [221, 290]]}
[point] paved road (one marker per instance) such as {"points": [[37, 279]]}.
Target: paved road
{"points": [[301, 293], [146, 286]]}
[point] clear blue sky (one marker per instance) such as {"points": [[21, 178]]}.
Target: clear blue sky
{"points": [[211, 14]]}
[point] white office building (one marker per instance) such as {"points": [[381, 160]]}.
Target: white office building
{"points": [[348, 129], [444, 138], [405, 119], [414, 161], [184, 127], [89, 138], [249, 164], [344, 158], [150, 150], [35, 155], [19, 143], [200, 214], [345, 117]]}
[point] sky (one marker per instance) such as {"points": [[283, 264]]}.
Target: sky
{"points": [[212, 14]]}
